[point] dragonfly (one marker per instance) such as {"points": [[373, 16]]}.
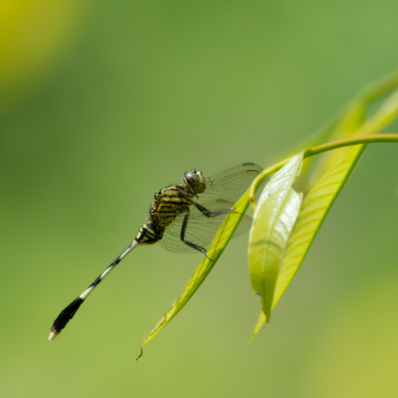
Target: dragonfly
{"points": [[184, 218]]}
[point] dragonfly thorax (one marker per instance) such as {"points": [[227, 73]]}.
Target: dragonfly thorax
{"points": [[195, 181]]}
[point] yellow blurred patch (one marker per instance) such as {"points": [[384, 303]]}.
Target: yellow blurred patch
{"points": [[33, 34], [356, 353]]}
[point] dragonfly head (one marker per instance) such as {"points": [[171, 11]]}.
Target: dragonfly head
{"points": [[195, 181]]}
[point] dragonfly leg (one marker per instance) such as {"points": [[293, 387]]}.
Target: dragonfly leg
{"points": [[190, 244], [208, 213]]}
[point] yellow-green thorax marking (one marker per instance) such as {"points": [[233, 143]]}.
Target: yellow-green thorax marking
{"points": [[168, 203]]}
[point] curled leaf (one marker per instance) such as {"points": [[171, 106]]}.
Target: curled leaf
{"points": [[313, 211], [273, 221]]}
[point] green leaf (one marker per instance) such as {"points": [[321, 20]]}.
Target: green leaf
{"points": [[218, 245], [260, 322], [349, 122], [354, 124], [273, 220], [313, 211]]}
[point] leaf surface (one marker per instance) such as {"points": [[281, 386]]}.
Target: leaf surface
{"points": [[313, 211], [354, 123], [273, 220]]}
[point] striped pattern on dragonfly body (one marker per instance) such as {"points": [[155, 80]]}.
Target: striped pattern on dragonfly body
{"points": [[184, 218], [166, 206]]}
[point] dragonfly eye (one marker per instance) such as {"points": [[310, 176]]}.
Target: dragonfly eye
{"points": [[194, 180]]}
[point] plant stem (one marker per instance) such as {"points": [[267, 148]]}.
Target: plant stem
{"points": [[369, 139]]}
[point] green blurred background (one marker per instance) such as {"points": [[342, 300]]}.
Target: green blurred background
{"points": [[103, 103]]}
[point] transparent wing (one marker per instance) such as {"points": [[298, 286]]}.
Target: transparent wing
{"points": [[222, 191], [230, 184], [200, 231]]}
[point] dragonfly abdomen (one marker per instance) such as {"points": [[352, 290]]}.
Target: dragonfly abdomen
{"points": [[149, 233]]}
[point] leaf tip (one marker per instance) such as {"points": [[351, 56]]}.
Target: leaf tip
{"points": [[139, 356]]}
